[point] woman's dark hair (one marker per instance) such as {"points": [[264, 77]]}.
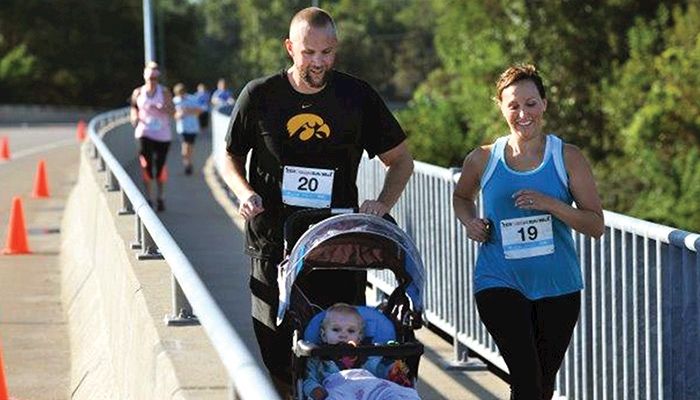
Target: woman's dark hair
{"points": [[516, 73]]}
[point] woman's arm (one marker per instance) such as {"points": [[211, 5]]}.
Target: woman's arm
{"points": [[587, 216], [466, 192]]}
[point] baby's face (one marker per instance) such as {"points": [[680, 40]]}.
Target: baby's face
{"points": [[341, 328]]}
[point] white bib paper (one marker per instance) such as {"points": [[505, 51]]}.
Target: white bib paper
{"points": [[527, 236], [153, 124], [307, 187]]}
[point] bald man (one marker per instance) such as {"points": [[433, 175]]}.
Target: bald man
{"points": [[306, 128]]}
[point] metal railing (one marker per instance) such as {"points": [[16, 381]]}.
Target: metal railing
{"points": [[188, 291], [638, 335]]}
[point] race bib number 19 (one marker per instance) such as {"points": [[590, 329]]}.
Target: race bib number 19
{"points": [[527, 236], [307, 187]]}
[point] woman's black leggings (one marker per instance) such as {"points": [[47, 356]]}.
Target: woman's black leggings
{"points": [[532, 336], [152, 155]]}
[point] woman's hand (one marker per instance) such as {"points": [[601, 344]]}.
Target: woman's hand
{"points": [[478, 229], [531, 200]]}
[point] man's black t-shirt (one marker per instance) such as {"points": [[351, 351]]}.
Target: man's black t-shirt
{"points": [[327, 130]]}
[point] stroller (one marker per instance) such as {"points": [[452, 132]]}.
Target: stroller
{"points": [[343, 240]]}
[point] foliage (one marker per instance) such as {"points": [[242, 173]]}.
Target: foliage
{"points": [[475, 41], [196, 41], [16, 67], [659, 120], [454, 105], [56, 42]]}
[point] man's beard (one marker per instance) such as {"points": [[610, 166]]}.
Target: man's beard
{"points": [[312, 80]]}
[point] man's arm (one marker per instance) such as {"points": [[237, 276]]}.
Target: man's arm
{"points": [[399, 164], [250, 203]]}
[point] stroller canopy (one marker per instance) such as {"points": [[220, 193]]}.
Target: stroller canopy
{"points": [[353, 241]]}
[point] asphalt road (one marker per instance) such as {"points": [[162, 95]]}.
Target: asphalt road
{"points": [[33, 329]]}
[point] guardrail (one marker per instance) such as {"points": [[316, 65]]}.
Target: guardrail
{"points": [[638, 335], [154, 241]]}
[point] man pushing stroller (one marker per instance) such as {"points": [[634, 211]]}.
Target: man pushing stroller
{"points": [[307, 128]]}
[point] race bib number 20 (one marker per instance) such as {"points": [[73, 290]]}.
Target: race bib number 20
{"points": [[527, 237], [307, 187]]}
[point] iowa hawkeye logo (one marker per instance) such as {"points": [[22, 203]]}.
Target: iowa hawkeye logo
{"points": [[308, 126]]}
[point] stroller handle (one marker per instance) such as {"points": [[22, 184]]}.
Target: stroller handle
{"points": [[297, 223], [303, 348]]}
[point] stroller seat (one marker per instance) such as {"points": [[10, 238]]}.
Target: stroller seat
{"points": [[349, 242], [378, 328]]}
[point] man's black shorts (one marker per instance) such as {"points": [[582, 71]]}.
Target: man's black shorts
{"points": [[189, 137]]}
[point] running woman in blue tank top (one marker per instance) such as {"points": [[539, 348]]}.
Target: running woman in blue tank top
{"points": [[527, 277]]}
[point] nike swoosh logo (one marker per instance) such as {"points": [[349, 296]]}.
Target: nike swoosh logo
{"points": [[305, 105]]}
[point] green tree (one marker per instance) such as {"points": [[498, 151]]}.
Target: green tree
{"points": [[574, 44], [79, 51], [377, 43], [16, 69], [658, 121], [454, 105]]}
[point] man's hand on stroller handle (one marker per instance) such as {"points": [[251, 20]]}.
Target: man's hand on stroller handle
{"points": [[374, 207], [251, 206]]}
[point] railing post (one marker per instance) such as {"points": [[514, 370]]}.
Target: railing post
{"points": [[461, 360], [137, 244], [127, 207], [182, 309], [149, 248], [112, 184], [95, 152]]}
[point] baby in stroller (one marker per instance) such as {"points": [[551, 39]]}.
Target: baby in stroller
{"points": [[350, 242], [346, 377]]}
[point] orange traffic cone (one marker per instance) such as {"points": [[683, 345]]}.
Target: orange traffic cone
{"points": [[41, 186], [16, 231], [3, 383], [80, 132], [4, 148]]}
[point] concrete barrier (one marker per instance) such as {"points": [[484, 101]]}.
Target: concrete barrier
{"points": [[120, 347], [31, 114]]}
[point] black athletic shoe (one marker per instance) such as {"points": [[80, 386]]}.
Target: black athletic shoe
{"points": [[160, 205], [188, 170]]}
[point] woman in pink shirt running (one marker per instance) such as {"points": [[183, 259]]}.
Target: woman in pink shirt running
{"points": [[151, 110]]}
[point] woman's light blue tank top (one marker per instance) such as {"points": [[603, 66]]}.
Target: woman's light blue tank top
{"points": [[535, 276]]}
